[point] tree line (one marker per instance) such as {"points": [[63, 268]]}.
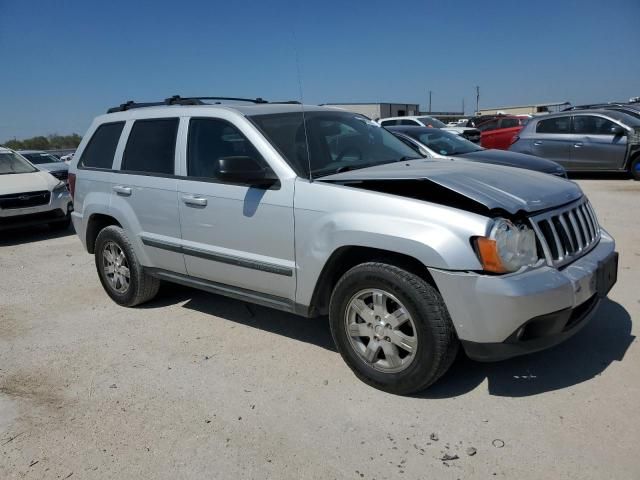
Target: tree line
{"points": [[50, 142]]}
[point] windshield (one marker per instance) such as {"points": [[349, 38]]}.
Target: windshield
{"points": [[431, 122], [40, 158], [13, 163], [338, 141], [444, 143]]}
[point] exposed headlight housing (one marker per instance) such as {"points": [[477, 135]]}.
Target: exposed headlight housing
{"points": [[508, 247]]}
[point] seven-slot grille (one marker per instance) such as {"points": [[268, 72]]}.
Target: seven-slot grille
{"points": [[24, 200], [566, 233]]}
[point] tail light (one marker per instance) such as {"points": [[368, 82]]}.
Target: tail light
{"points": [[72, 184], [513, 140]]}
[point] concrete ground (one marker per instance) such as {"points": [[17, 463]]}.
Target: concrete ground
{"points": [[194, 385]]}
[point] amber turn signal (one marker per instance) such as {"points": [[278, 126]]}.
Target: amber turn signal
{"points": [[488, 253]]}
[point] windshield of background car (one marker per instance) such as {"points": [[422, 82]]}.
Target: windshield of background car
{"points": [[431, 122], [338, 141], [40, 158], [445, 143], [13, 163]]}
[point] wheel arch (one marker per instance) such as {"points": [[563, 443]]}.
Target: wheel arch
{"points": [[97, 222], [346, 257]]}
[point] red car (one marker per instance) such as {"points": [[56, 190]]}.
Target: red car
{"points": [[500, 132]]}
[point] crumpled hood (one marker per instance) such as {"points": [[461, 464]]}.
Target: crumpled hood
{"points": [[514, 159], [26, 182], [494, 186]]}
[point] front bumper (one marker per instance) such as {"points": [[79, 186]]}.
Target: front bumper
{"points": [[60, 205], [498, 317]]}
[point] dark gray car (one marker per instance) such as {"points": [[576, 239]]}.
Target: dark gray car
{"points": [[47, 162], [585, 140]]}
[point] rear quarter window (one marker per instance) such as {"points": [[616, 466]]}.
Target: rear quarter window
{"points": [[101, 149]]}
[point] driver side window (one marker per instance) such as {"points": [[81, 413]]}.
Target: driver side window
{"points": [[211, 139]]}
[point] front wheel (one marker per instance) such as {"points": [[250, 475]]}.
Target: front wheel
{"points": [[392, 328], [121, 274], [634, 168]]}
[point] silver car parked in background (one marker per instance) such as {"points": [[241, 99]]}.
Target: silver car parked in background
{"points": [[584, 140], [321, 211]]}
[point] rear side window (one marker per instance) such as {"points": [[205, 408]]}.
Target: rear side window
{"points": [[101, 148], [487, 126], [408, 122], [151, 146], [211, 139], [388, 123], [554, 125]]}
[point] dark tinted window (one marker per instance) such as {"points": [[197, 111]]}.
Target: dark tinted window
{"points": [[388, 123], [40, 158], [486, 126], [211, 139], [151, 146], [592, 125], [554, 125], [509, 123], [101, 148], [408, 122]]}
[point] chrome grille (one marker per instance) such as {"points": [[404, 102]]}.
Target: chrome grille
{"points": [[566, 233]]}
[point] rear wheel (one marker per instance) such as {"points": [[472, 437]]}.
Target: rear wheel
{"points": [[121, 274], [634, 168], [392, 328]]}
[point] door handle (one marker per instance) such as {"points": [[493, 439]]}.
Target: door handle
{"points": [[121, 190], [194, 201], [577, 145], [537, 142]]}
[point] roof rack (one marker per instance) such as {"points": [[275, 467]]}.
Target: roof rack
{"points": [[178, 100]]}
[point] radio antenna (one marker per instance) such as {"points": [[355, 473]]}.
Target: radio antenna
{"points": [[304, 118]]}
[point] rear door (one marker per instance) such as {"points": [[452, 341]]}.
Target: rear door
{"points": [[145, 194], [234, 234], [595, 147], [487, 135], [507, 129], [552, 139]]}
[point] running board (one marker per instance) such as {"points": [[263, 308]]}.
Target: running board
{"points": [[272, 301]]}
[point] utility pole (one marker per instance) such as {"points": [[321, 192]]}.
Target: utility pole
{"points": [[463, 106], [477, 100], [429, 101]]}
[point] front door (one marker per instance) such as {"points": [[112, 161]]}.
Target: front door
{"points": [[595, 147], [234, 234]]}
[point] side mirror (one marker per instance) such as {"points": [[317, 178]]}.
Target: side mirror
{"points": [[245, 170], [617, 130]]}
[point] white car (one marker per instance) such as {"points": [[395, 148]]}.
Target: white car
{"points": [[471, 134], [29, 196]]}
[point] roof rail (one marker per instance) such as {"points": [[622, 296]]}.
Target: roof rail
{"points": [[178, 100]]}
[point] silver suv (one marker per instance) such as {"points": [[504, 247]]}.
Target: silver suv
{"points": [[319, 211]]}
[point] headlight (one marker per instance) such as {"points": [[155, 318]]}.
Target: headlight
{"points": [[508, 248], [60, 187]]}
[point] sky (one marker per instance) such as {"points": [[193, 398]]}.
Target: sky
{"points": [[64, 62]]}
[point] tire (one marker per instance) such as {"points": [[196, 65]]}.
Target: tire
{"points": [[61, 224], [432, 332], [141, 286], [634, 168]]}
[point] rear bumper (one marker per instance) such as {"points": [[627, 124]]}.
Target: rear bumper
{"points": [[498, 317]]}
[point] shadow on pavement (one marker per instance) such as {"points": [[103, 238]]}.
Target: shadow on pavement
{"points": [[35, 233], [315, 331], [586, 355], [604, 340]]}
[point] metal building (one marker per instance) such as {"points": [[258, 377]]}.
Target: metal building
{"points": [[525, 109], [379, 110]]}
